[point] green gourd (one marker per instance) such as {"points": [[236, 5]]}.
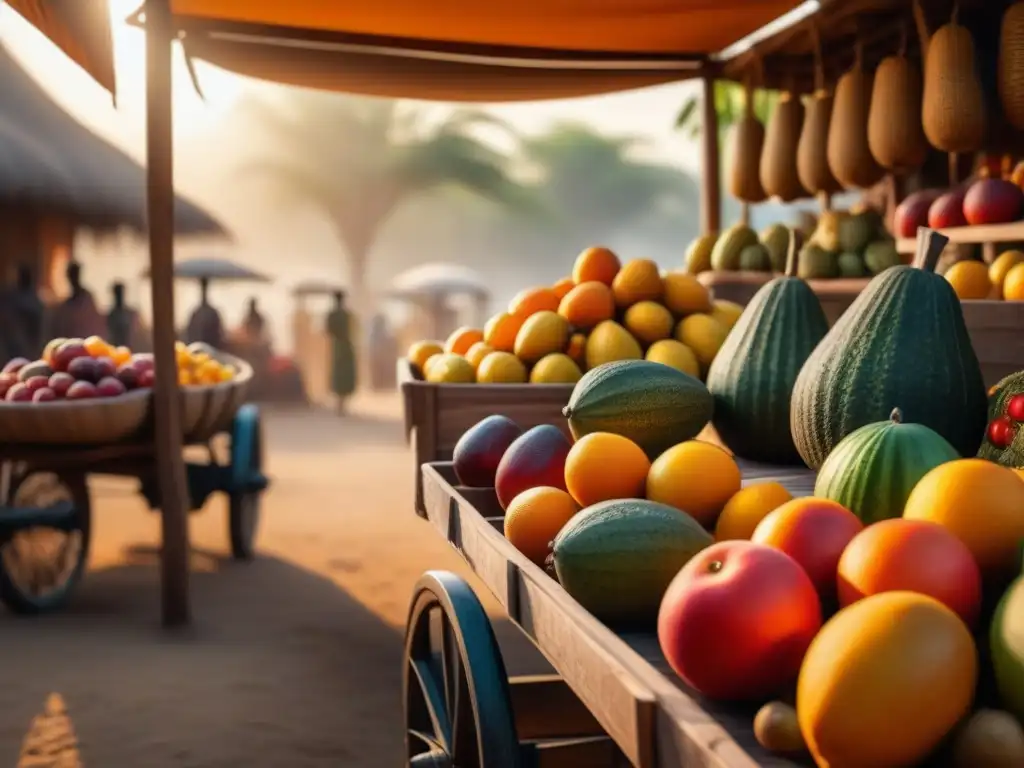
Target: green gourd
{"points": [[873, 469], [902, 341], [752, 376]]}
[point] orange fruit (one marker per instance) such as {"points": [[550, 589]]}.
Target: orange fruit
{"points": [[696, 477], [500, 331], [979, 502], [648, 321], [999, 269], [969, 279], [462, 339], [588, 304], [577, 349], [563, 286], [477, 353], [602, 466], [532, 300], [535, 517], [121, 355], [97, 347], [638, 280], [685, 294], [598, 264], [1013, 284], [748, 507], [422, 351]]}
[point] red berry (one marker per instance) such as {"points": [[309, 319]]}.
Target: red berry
{"points": [[1015, 408], [1001, 432]]}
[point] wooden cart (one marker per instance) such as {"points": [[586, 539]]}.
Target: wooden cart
{"points": [[614, 700]]}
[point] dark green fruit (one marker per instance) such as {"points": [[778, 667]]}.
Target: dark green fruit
{"points": [[816, 263]]}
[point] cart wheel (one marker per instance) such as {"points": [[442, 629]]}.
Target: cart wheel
{"points": [[40, 566], [246, 462], [457, 705]]}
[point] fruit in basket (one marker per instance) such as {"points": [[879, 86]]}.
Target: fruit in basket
{"points": [[999, 269], [980, 503], [576, 350], [105, 366], [814, 532], [913, 212], [993, 201], [735, 622], [588, 304], [530, 301], [478, 452], [556, 368], [81, 390], [500, 331], [685, 294], [856, 231], [725, 256], [748, 507], [947, 210], [61, 382], [1006, 641], [458, 343], [885, 681], [33, 370], [610, 342], [35, 383], [543, 332], [70, 350], [638, 280], [84, 369], [18, 393], [970, 280], [109, 386], [902, 342], [726, 312], [1013, 286], [698, 255], [44, 395], [703, 334], [534, 518], [649, 322], [816, 263], [450, 369], [914, 556], [477, 353], [755, 258], [775, 238], [598, 264], [696, 477], [777, 729], [873, 469], [851, 265], [7, 380], [617, 558], [674, 354], [535, 458], [752, 375], [587, 475], [422, 351], [15, 364], [651, 404], [990, 738], [501, 368]]}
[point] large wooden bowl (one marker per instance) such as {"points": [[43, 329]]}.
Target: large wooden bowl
{"points": [[77, 422], [209, 409]]}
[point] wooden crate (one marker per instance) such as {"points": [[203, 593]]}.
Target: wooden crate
{"points": [[436, 415], [997, 334]]}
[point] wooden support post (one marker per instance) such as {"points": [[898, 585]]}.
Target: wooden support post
{"points": [[166, 402], [710, 188]]}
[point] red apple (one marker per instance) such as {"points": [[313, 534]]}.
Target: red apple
{"points": [[947, 211], [913, 212], [1015, 408], [19, 393], [84, 369], [44, 395], [109, 387], [61, 382], [142, 361], [146, 378], [81, 390], [105, 367], [36, 383], [7, 380], [66, 353], [993, 201], [737, 619], [15, 364], [128, 376]]}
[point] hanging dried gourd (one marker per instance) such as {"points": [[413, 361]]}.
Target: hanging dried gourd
{"points": [[779, 175], [746, 140], [1011, 65], [812, 149], [849, 157], [953, 108], [895, 135]]}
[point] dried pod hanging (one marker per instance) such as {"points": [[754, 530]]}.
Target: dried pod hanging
{"points": [[895, 135], [953, 108], [1011, 65], [779, 175], [849, 157], [746, 141], [812, 149]]}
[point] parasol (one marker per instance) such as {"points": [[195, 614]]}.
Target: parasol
{"points": [[438, 279], [316, 288]]}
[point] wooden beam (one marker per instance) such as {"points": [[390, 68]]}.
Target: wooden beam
{"points": [[170, 463], [710, 188], [546, 708]]}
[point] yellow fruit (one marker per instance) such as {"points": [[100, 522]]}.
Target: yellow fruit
{"points": [[555, 368], [588, 304], [696, 477], [1013, 285], [185, 378], [726, 312], [999, 268], [704, 335], [227, 372], [462, 339], [602, 466], [648, 321], [610, 342], [698, 255], [501, 368], [884, 681], [182, 356], [598, 264], [535, 517], [989, 739], [208, 372], [777, 729], [533, 300], [121, 355], [748, 507], [422, 351], [638, 280], [543, 333], [577, 349], [448, 368], [477, 353], [500, 331], [430, 361], [676, 355], [969, 279], [97, 347], [685, 295]]}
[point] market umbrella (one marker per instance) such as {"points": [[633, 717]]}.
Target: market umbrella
{"points": [[316, 288], [223, 270]]}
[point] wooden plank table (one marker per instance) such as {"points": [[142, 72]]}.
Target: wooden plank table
{"points": [[622, 679]]}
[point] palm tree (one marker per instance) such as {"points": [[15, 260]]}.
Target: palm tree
{"points": [[730, 103], [359, 159]]}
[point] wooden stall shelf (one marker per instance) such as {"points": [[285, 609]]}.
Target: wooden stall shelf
{"points": [[996, 334], [982, 234]]}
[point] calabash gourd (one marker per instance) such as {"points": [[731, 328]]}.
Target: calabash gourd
{"points": [[953, 106], [779, 176], [873, 469], [895, 135], [812, 149], [1011, 65], [752, 377], [849, 157], [902, 341], [746, 141]]}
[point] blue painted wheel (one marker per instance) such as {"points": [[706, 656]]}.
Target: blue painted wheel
{"points": [[41, 565], [457, 707], [244, 498]]}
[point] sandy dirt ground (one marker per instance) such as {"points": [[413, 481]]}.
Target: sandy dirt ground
{"points": [[294, 660]]}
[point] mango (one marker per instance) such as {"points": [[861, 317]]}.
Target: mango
{"points": [[535, 458], [479, 450]]}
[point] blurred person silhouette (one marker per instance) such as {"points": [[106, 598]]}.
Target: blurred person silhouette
{"points": [[254, 325], [122, 320], [205, 324], [26, 315], [343, 357], [76, 316]]}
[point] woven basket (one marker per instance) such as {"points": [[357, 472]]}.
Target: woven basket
{"points": [[209, 409], [82, 422]]}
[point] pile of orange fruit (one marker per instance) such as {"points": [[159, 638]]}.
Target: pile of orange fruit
{"points": [[198, 366]]}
